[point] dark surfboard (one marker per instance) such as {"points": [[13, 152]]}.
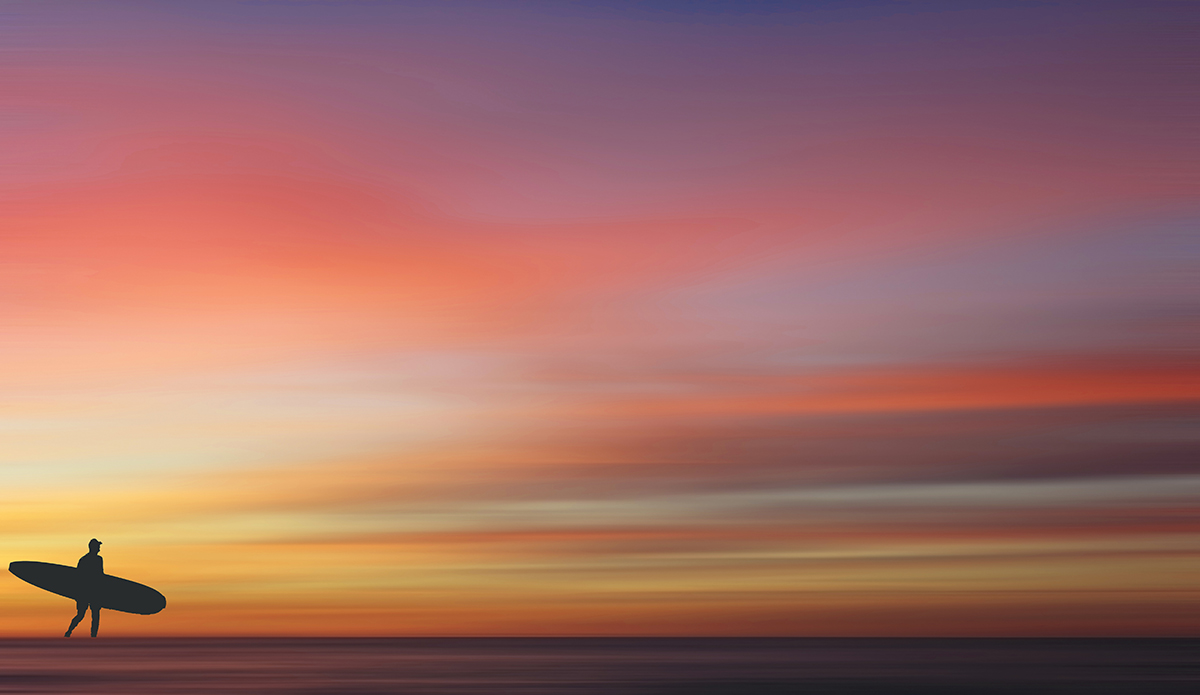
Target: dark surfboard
{"points": [[109, 592]]}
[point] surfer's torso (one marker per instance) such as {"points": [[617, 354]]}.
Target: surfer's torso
{"points": [[91, 563]]}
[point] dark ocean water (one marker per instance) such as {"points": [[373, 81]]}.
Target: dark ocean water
{"points": [[552, 666]]}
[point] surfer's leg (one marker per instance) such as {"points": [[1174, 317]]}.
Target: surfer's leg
{"points": [[95, 619], [81, 608]]}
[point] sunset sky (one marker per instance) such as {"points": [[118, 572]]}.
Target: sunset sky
{"points": [[856, 317]]}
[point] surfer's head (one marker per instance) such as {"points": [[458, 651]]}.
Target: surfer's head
{"points": [[94, 545]]}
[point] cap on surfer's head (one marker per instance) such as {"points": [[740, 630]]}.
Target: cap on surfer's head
{"points": [[93, 543]]}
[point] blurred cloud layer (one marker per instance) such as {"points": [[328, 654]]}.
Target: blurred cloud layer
{"points": [[602, 317]]}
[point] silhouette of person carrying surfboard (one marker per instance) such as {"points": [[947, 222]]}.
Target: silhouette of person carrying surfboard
{"points": [[91, 567], [88, 585]]}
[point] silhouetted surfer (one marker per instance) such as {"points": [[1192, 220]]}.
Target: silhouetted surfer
{"points": [[92, 567]]}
